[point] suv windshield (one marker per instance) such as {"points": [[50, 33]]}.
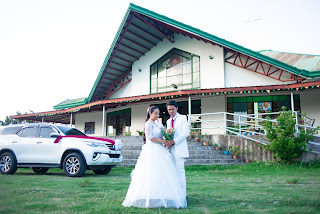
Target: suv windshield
{"points": [[9, 130], [70, 131]]}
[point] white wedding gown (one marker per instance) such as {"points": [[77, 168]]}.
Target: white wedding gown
{"points": [[154, 181]]}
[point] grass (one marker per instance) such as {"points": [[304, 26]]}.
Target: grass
{"points": [[251, 188]]}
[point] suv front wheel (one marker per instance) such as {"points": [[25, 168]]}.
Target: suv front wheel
{"points": [[8, 163], [102, 171], [74, 165]]}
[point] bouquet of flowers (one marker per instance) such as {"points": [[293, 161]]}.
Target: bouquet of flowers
{"points": [[168, 133]]}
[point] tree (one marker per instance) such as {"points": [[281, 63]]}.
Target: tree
{"points": [[286, 144], [9, 121]]}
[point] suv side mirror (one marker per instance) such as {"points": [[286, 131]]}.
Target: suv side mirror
{"points": [[54, 134]]}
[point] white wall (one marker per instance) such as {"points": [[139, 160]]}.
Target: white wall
{"points": [[240, 77], [211, 71], [310, 103], [138, 117], [211, 105], [82, 118]]}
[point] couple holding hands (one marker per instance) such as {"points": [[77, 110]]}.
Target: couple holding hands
{"points": [[158, 179]]}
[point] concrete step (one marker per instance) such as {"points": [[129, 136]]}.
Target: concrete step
{"points": [[131, 147], [199, 154], [227, 161], [192, 157], [193, 154], [189, 162], [316, 139], [190, 147], [314, 147]]}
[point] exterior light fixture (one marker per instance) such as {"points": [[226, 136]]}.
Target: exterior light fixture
{"points": [[211, 57], [175, 87], [139, 70]]}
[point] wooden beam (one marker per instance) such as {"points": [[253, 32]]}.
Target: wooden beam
{"points": [[143, 30], [148, 23], [130, 55], [118, 57], [132, 49], [141, 38], [136, 43]]}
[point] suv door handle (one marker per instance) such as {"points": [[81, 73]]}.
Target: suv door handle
{"points": [[39, 142], [14, 141]]}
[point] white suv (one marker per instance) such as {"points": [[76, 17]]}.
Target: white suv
{"points": [[42, 146]]}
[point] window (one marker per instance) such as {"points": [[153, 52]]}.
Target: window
{"points": [[260, 104], [9, 130], [175, 67], [70, 131], [183, 109], [28, 132], [119, 122], [89, 127], [46, 131]]}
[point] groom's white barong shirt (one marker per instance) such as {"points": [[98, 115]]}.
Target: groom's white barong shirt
{"points": [[182, 131], [179, 150]]}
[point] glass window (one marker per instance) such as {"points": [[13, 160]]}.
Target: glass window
{"points": [[175, 67], [46, 131], [89, 127], [70, 131], [119, 123], [28, 132], [9, 130]]}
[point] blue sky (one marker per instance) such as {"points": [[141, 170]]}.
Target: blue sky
{"points": [[52, 50]]}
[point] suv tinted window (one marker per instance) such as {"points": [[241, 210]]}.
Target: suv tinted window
{"points": [[9, 130], [28, 132], [46, 131], [70, 131]]}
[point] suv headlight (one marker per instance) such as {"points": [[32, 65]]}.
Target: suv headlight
{"points": [[94, 144]]}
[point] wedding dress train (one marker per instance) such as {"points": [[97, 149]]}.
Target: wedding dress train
{"points": [[154, 181]]}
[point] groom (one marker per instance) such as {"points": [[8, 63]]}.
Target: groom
{"points": [[178, 146]]}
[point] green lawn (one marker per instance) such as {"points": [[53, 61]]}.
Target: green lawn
{"points": [[251, 188]]}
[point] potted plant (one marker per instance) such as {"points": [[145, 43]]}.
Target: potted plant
{"points": [[225, 150], [140, 133], [235, 151], [192, 134], [197, 135], [218, 147], [206, 140], [247, 154]]}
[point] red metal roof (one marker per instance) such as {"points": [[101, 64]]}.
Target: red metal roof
{"points": [[60, 115], [300, 61]]}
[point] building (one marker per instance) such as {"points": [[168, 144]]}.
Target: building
{"points": [[154, 59]]}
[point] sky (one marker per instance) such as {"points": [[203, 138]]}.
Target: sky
{"points": [[52, 50]]}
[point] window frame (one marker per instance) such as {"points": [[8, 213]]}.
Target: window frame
{"points": [[183, 54], [91, 131]]}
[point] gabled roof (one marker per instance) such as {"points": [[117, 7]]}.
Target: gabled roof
{"points": [[142, 29], [69, 103], [300, 61]]}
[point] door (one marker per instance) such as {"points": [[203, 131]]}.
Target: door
{"points": [[23, 146], [46, 151]]}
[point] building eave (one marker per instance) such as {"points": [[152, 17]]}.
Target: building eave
{"points": [[113, 103]]}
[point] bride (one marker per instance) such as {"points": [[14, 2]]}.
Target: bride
{"points": [[154, 181]]}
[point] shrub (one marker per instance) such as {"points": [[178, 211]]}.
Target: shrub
{"points": [[235, 150], [140, 133], [284, 142]]}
